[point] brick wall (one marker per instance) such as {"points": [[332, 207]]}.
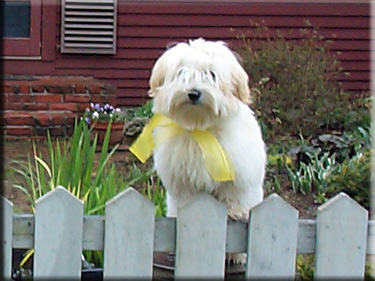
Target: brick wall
{"points": [[34, 104]]}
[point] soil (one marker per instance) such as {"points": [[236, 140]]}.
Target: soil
{"points": [[19, 150]]}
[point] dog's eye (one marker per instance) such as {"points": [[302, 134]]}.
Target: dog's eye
{"points": [[213, 75]]}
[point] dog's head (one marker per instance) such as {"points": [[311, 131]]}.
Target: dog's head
{"points": [[198, 83]]}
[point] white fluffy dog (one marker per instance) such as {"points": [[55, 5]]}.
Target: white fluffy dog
{"points": [[200, 85]]}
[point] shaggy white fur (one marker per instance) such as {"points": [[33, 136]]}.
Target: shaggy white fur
{"points": [[201, 85]]}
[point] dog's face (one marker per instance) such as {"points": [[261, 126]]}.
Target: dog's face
{"points": [[199, 83]]}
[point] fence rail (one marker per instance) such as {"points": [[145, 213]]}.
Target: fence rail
{"points": [[201, 234]]}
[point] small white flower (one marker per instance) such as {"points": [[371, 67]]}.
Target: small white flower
{"points": [[118, 110], [95, 115]]}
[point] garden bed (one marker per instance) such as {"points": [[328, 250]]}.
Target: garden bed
{"points": [[124, 161]]}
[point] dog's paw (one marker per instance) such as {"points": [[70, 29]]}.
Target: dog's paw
{"points": [[236, 259], [238, 216]]}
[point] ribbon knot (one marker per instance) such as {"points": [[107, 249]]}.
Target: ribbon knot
{"points": [[218, 164]]}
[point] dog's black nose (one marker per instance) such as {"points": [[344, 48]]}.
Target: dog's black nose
{"points": [[194, 95]]}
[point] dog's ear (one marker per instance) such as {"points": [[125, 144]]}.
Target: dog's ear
{"points": [[157, 76], [240, 82]]}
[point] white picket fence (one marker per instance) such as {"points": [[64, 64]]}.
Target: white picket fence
{"points": [[129, 233]]}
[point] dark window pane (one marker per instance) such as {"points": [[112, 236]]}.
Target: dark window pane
{"points": [[16, 18]]}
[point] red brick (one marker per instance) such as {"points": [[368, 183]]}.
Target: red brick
{"points": [[58, 89], [35, 106], [70, 119], [111, 99], [13, 106], [81, 107], [19, 130], [21, 98], [77, 98], [63, 106], [60, 131], [10, 114], [48, 98], [16, 118], [37, 88], [43, 119], [23, 87], [58, 119], [8, 89], [41, 131], [80, 88], [95, 88]]}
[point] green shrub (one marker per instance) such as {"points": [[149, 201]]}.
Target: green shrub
{"points": [[294, 83], [353, 178], [305, 267], [140, 112]]}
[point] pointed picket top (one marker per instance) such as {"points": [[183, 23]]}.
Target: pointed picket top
{"points": [[341, 238], [275, 201], [341, 199], [203, 199], [272, 242], [7, 230], [201, 238], [58, 235], [129, 194], [129, 236], [57, 193]]}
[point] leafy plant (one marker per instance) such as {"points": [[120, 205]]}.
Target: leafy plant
{"points": [[145, 111], [313, 177], [305, 267], [71, 164], [353, 178], [294, 82], [74, 165]]}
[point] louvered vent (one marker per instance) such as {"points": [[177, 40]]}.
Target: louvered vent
{"points": [[88, 26]]}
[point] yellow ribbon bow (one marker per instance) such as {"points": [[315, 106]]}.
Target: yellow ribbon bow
{"points": [[217, 161]]}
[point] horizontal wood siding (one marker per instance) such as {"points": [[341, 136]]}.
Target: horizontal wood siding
{"points": [[145, 28]]}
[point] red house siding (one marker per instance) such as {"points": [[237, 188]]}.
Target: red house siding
{"points": [[145, 28]]}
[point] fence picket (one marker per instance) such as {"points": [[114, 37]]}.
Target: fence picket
{"points": [[58, 235], [201, 237], [7, 229], [129, 236], [341, 239], [272, 242], [129, 233]]}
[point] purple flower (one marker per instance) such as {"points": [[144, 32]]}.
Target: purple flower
{"points": [[88, 121]]}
